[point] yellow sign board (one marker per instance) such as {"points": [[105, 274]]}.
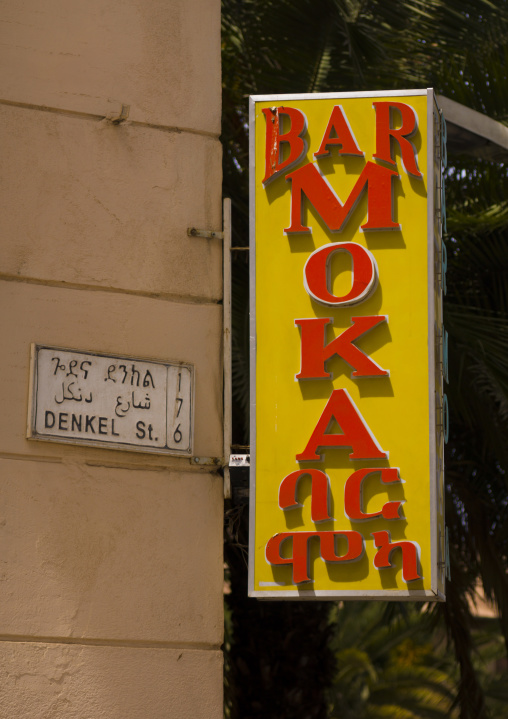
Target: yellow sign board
{"points": [[347, 405]]}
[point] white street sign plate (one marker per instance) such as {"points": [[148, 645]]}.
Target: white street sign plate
{"points": [[111, 401]]}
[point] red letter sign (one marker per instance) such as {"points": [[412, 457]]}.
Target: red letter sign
{"points": [[319, 493], [300, 558], [316, 274], [384, 132], [356, 434], [315, 352], [410, 555], [353, 495], [308, 181], [344, 138], [274, 139]]}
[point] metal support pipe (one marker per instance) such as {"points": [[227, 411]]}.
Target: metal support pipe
{"points": [[226, 310]]}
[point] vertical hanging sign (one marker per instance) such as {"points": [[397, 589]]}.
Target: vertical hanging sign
{"points": [[348, 414]]}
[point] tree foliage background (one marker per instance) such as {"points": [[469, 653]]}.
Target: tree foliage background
{"points": [[317, 660]]}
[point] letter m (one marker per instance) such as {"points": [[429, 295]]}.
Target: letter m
{"points": [[308, 181]]}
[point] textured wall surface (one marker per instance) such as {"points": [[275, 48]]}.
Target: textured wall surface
{"points": [[111, 561]]}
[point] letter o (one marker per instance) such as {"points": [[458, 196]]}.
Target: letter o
{"points": [[317, 280]]}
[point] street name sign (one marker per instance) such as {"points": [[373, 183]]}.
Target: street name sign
{"points": [[111, 401]]}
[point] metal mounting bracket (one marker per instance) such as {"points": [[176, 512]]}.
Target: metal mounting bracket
{"points": [[207, 234], [118, 117], [225, 236]]}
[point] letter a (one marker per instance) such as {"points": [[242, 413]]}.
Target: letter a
{"points": [[344, 138], [355, 432]]}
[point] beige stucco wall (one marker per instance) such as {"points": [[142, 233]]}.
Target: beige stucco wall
{"points": [[111, 561]]}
